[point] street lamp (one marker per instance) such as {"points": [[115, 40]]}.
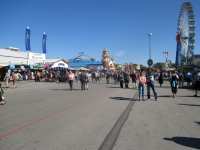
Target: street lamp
{"points": [[166, 53], [149, 39], [150, 61]]}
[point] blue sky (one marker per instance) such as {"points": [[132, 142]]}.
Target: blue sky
{"points": [[73, 26]]}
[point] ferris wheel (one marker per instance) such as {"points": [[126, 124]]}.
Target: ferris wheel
{"points": [[186, 33]]}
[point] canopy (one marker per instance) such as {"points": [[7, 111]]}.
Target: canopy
{"points": [[83, 69], [3, 65], [60, 64]]}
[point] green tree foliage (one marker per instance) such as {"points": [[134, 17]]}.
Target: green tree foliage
{"points": [[159, 65]]}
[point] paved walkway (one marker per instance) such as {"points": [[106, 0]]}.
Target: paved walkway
{"points": [[47, 116], [170, 123]]}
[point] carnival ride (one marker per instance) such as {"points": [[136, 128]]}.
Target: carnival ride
{"points": [[185, 37]]}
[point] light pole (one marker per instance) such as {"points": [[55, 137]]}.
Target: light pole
{"points": [[149, 39], [150, 61], [166, 53]]}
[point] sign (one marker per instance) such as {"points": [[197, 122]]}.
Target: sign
{"points": [[150, 62]]}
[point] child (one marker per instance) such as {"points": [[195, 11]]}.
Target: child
{"points": [[2, 101]]}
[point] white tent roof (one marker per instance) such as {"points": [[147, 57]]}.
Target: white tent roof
{"points": [[60, 63]]}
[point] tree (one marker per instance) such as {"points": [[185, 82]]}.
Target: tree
{"points": [[159, 65]]}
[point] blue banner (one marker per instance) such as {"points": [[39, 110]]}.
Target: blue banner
{"points": [[44, 39], [28, 39]]}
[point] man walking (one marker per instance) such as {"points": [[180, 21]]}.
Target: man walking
{"points": [[150, 85], [134, 79], [83, 80], [71, 77], [196, 83], [121, 79], [126, 79]]}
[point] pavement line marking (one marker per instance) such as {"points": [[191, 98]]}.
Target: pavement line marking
{"points": [[112, 136], [17, 129]]}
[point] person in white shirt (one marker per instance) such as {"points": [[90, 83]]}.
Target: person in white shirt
{"points": [[71, 78]]}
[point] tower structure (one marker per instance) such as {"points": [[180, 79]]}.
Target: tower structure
{"points": [[107, 61], [105, 58]]}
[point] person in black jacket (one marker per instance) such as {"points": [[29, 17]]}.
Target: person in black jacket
{"points": [[160, 79], [121, 79], [196, 83], [126, 79], [174, 83], [83, 80], [150, 84]]}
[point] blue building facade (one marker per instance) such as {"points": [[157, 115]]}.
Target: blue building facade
{"points": [[84, 61]]}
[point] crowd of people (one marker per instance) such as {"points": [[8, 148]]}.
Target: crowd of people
{"points": [[140, 79], [146, 78]]}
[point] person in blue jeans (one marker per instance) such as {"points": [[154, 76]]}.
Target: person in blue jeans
{"points": [[142, 82], [150, 85]]}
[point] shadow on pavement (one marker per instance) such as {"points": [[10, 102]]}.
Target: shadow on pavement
{"points": [[123, 98], [65, 89], [187, 96], [197, 122], [116, 87], [164, 96], [177, 96], [186, 141], [162, 87], [189, 104]]}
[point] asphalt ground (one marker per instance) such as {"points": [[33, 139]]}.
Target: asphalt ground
{"points": [[168, 124], [48, 116]]}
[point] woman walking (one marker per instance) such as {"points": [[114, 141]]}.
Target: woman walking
{"points": [[142, 82], [14, 78]]}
